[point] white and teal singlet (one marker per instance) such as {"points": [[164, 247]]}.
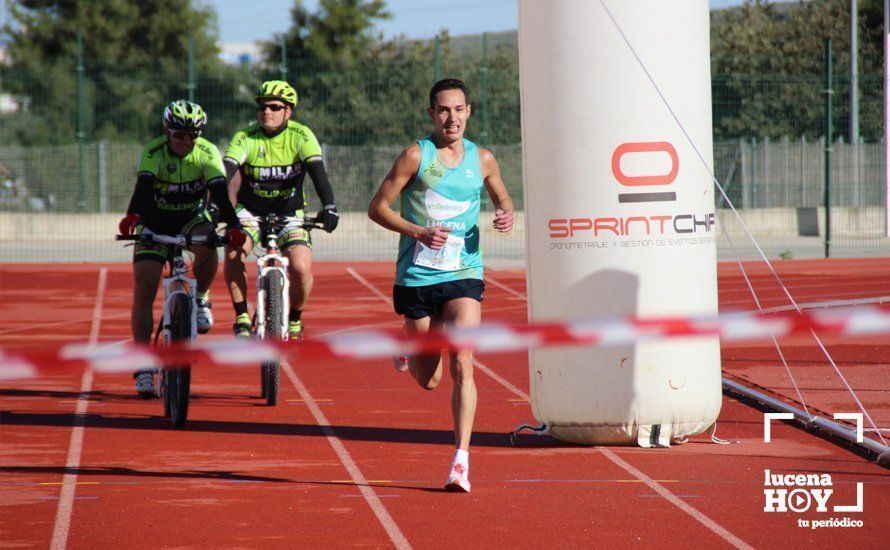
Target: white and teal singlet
{"points": [[449, 197]]}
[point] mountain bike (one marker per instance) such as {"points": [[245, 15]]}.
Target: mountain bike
{"points": [[179, 322], [272, 312]]}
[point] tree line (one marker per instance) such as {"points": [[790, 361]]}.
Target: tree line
{"points": [[359, 88]]}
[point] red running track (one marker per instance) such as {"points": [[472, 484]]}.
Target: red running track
{"points": [[356, 454], [810, 380]]}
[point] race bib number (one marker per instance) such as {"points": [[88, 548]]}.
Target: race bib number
{"points": [[446, 258]]}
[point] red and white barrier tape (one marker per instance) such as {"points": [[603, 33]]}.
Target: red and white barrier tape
{"points": [[488, 338]]}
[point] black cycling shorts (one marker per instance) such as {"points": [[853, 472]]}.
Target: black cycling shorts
{"points": [[417, 302], [158, 252]]}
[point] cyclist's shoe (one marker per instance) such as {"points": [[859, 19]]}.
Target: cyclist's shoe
{"points": [[458, 480], [205, 316], [242, 326], [295, 330], [400, 362], [145, 383], [241, 330]]}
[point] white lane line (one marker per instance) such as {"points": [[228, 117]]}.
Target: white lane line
{"points": [[69, 480], [828, 304], [497, 378], [22, 328], [670, 497], [504, 287], [500, 380], [652, 484], [655, 486], [392, 529], [675, 500], [385, 324], [369, 286], [97, 307]]}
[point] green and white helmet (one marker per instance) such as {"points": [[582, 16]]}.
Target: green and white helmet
{"points": [[184, 115], [277, 89]]}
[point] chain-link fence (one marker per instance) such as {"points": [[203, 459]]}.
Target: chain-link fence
{"points": [[768, 152]]}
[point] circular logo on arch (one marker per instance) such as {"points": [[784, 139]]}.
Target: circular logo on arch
{"points": [[653, 163]]}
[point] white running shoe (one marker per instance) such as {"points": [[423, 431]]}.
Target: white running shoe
{"points": [[145, 383], [205, 316], [400, 362], [458, 481]]}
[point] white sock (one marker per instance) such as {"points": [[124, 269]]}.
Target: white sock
{"points": [[462, 457]]}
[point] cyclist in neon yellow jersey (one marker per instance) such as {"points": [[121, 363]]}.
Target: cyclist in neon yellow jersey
{"points": [[439, 182], [175, 173], [266, 164]]}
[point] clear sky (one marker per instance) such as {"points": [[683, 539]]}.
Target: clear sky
{"points": [[241, 21]]}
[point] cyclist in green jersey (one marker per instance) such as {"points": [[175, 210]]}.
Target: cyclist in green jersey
{"points": [[175, 173], [266, 164], [439, 182]]}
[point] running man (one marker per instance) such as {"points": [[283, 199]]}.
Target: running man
{"points": [[266, 164], [174, 175], [439, 181]]}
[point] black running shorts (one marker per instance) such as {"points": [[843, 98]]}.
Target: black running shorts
{"points": [[417, 302]]}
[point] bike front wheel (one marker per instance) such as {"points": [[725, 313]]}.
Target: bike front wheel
{"points": [[177, 377], [274, 287]]}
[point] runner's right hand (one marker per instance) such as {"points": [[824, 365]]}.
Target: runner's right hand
{"points": [[127, 225], [435, 237]]}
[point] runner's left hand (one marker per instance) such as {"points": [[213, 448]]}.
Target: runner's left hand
{"points": [[503, 220]]}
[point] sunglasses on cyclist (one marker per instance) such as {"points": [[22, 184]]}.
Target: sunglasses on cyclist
{"points": [[185, 136], [274, 107]]}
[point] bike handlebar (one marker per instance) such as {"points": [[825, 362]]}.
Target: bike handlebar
{"points": [[277, 219], [211, 240]]}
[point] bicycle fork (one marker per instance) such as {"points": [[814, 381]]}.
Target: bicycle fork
{"points": [[263, 268], [173, 286]]}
